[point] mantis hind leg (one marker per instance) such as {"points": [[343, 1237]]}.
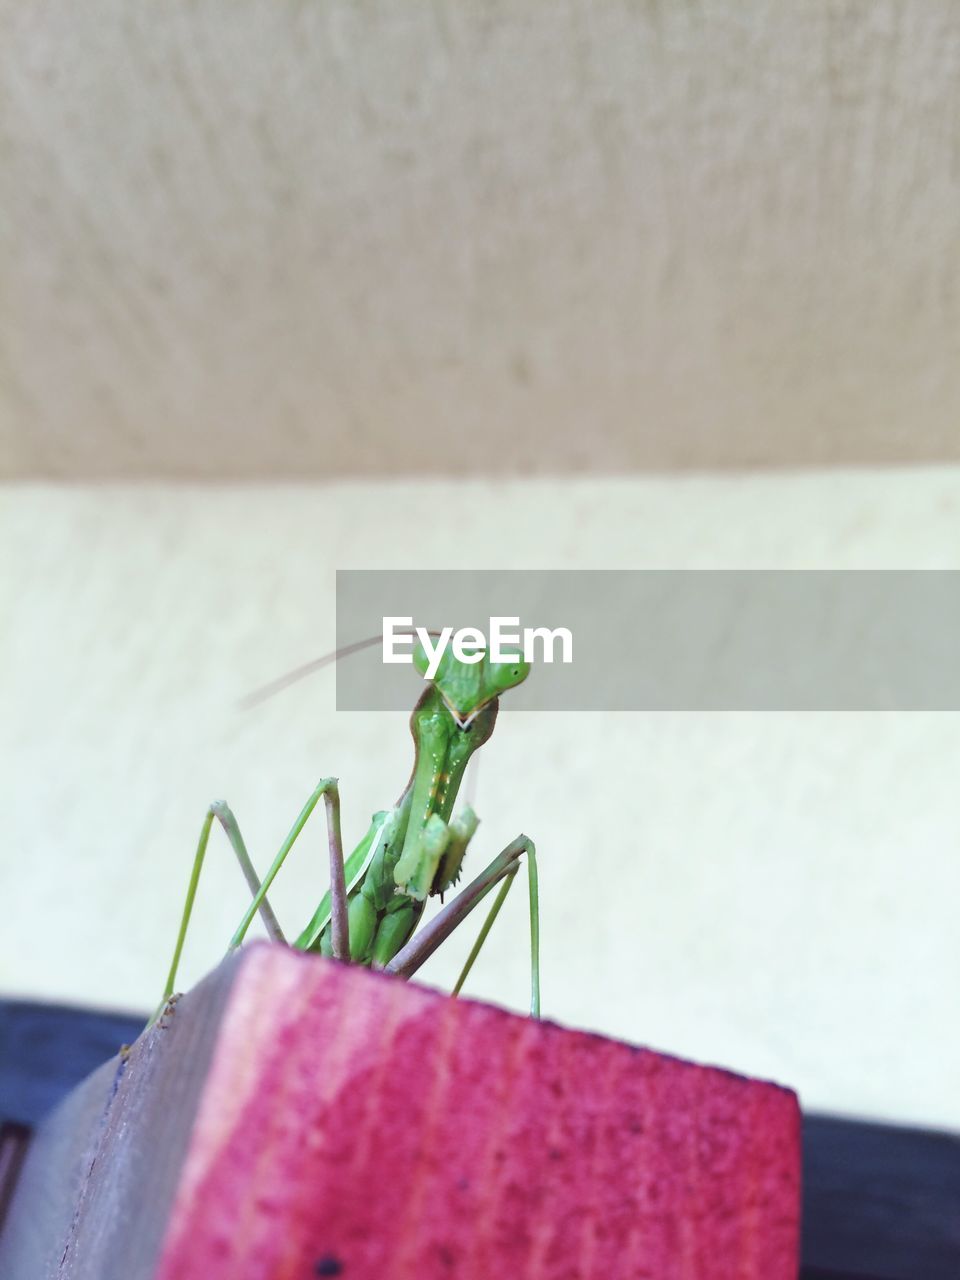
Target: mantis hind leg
{"points": [[503, 868], [224, 815], [328, 790], [534, 899]]}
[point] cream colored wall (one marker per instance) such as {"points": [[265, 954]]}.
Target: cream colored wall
{"points": [[292, 240], [772, 892], [286, 239]]}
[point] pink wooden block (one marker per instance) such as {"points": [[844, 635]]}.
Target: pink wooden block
{"points": [[355, 1125]]}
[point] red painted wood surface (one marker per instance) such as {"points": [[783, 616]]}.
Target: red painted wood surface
{"points": [[355, 1125]]}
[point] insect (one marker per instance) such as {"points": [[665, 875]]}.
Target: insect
{"points": [[370, 913]]}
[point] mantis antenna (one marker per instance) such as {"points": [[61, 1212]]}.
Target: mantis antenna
{"points": [[300, 673]]}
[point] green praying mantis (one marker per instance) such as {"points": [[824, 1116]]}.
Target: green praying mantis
{"points": [[369, 914]]}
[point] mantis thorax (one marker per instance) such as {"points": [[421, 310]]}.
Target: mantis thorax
{"points": [[453, 717]]}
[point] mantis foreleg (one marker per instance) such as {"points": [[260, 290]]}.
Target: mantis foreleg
{"points": [[504, 867], [224, 815]]}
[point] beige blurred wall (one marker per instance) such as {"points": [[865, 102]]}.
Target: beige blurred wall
{"points": [[296, 239], [776, 893], [246, 242]]}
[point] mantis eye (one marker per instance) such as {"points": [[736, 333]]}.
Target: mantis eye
{"points": [[505, 675]]}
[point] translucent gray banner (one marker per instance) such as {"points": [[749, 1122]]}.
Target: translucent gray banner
{"points": [[677, 640]]}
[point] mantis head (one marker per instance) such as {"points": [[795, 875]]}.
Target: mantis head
{"points": [[467, 687]]}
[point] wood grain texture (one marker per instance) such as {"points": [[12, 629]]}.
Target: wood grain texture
{"points": [[390, 1133], [288, 240], [341, 1122]]}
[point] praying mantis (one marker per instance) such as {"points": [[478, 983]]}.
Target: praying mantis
{"points": [[369, 914]]}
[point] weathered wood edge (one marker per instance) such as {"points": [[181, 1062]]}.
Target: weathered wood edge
{"points": [[62, 1221]]}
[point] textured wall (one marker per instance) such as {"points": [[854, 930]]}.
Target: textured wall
{"points": [[776, 893], [244, 239]]}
